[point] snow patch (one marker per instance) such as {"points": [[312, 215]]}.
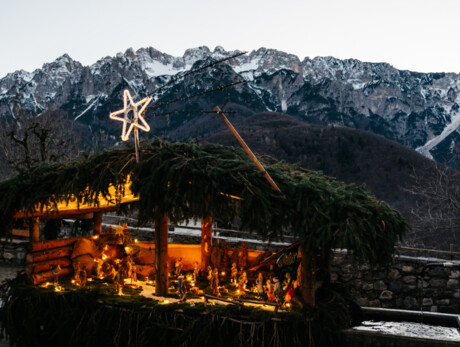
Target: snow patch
{"points": [[87, 109], [249, 65], [283, 105], [155, 68], [356, 84], [449, 129], [248, 76], [418, 330]]}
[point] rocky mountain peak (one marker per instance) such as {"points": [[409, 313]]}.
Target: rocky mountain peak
{"points": [[416, 109], [191, 55], [62, 65]]}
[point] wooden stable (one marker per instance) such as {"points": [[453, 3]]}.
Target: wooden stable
{"points": [[181, 181], [48, 254], [44, 256]]}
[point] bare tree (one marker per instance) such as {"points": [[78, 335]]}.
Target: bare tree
{"points": [[26, 140], [436, 218]]}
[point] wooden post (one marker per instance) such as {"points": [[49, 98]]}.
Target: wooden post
{"points": [[34, 229], [161, 255], [136, 142], [97, 218], [308, 280], [206, 242]]}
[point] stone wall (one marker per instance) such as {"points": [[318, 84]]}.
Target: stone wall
{"points": [[412, 283], [12, 253]]}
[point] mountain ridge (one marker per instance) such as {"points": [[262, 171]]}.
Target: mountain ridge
{"points": [[418, 110]]}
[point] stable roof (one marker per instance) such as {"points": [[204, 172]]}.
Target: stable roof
{"points": [[188, 180]]}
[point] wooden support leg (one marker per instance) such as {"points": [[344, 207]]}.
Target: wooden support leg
{"points": [[34, 229], [161, 255], [97, 222], [308, 278], [206, 242]]}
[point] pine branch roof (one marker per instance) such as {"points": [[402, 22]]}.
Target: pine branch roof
{"points": [[189, 180]]}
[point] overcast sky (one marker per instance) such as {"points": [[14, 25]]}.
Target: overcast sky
{"points": [[418, 35]]}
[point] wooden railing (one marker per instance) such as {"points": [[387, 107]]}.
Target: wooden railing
{"points": [[429, 252]]}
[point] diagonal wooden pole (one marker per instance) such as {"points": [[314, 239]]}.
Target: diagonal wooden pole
{"points": [[136, 143], [247, 149]]}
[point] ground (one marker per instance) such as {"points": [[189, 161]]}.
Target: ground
{"points": [[7, 272]]}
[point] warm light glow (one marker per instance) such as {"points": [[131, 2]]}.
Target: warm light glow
{"points": [[119, 230], [72, 281], [189, 278], [95, 237], [288, 304], [106, 247], [136, 116], [136, 240], [238, 291], [193, 284], [112, 200], [104, 257], [231, 196], [57, 289], [90, 279], [166, 302], [223, 273], [127, 249]]}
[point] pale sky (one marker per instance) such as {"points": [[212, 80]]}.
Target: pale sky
{"points": [[417, 35]]}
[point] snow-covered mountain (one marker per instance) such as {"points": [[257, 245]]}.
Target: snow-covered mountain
{"points": [[419, 110]]}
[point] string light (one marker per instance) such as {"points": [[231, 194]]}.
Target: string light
{"points": [[188, 97], [194, 71]]}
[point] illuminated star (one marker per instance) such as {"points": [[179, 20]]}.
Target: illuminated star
{"points": [[136, 117], [119, 230]]}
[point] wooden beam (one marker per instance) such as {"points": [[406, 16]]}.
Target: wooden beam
{"points": [[64, 214], [206, 242], [48, 254], [247, 149], [97, 218], [51, 244], [79, 216], [35, 229], [161, 255]]}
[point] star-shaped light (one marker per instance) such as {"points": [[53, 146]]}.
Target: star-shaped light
{"points": [[137, 115], [119, 230]]}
